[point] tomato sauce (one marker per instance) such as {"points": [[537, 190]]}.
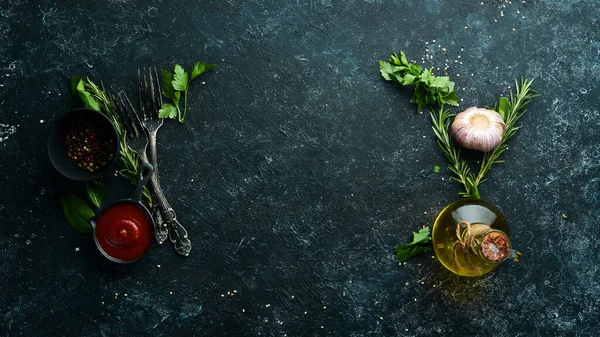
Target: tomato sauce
{"points": [[124, 231]]}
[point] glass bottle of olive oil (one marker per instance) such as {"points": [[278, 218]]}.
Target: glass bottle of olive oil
{"points": [[471, 237]]}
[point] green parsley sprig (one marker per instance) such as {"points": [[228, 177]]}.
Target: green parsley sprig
{"points": [[429, 89], [406, 251], [173, 84]]}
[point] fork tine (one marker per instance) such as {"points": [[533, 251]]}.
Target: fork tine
{"points": [[152, 96], [141, 92], [130, 116], [123, 115], [133, 116], [159, 93]]}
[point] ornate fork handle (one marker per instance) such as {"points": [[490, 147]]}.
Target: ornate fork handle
{"points": [[176, 232], [162, 229]]}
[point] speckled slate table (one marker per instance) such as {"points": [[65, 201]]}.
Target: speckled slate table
{"points": [[299, 169]]}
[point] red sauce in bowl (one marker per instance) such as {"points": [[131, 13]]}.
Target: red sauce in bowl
{"points": [[124, 231]]}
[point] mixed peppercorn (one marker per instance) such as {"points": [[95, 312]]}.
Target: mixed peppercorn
{"points": [[90, 145]]}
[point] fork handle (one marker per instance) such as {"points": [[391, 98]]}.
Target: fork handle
{"points": [[162, 223], [176, 232]]}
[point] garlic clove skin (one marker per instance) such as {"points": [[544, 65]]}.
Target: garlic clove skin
{"points": [[478, 129]]}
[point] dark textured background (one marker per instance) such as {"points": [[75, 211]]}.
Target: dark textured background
{"points": [[299, 169]]}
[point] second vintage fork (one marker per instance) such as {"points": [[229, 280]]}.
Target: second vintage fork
{"points": [[150, 103], [138, 142]]}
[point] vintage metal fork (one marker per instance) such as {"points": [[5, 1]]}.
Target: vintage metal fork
{"points": [[150, 103], [138, 142]]}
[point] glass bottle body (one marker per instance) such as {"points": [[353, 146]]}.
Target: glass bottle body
{"points": [[483, 219]]}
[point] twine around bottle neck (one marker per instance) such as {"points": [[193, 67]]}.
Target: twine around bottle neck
{"points": [[466, 238], [480, 239]]}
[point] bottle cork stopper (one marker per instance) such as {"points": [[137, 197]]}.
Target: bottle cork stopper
{"points": [[495, 247]]}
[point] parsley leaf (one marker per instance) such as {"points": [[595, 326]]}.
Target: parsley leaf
{"points": [[436, 168], [180, 79], [429, 89], [168, 110], [167, 85], [406, 251], [200, 68]]}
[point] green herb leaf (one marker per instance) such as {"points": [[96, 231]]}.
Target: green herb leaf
{"points": [[403, 59], [451, 98], [77, 212], [86, 98], [422, 236], [436, 168], [406, 251], [503, 106], [95, 192], [408, 79], [386, 69], [166, 85], [168, 110], [200, 68], [429, 89], [180, 79], [427, 77], [441, 82], [75, 80]]}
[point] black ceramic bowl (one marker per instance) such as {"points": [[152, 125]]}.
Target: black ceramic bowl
{"points": [[57, 148]]}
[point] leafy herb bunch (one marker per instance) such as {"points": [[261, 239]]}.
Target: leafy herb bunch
{"points": [[429, 88]]}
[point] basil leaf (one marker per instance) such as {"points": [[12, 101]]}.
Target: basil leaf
{"points": [[74, 84], [77, 212], [95, 192], [86, 98]]}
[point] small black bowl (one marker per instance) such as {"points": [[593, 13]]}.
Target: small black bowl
{"points": [[57, 148], [144, 175]]}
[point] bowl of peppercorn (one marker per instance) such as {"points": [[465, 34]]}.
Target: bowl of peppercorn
{"points": [[83, 144]]}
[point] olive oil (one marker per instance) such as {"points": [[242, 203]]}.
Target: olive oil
{"points": [[471, 237]]}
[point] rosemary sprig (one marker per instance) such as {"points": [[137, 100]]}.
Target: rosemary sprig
{"points": [[128, 159], [510, 109], [458, 166]]}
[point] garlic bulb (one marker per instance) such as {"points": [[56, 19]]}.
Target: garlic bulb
{"points": [[478, 129]]}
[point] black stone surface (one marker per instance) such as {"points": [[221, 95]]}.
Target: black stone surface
{"points": [[299, 169]]}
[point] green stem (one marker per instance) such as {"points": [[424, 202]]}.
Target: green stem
{"points": [[475, 192], [185, 93]]}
